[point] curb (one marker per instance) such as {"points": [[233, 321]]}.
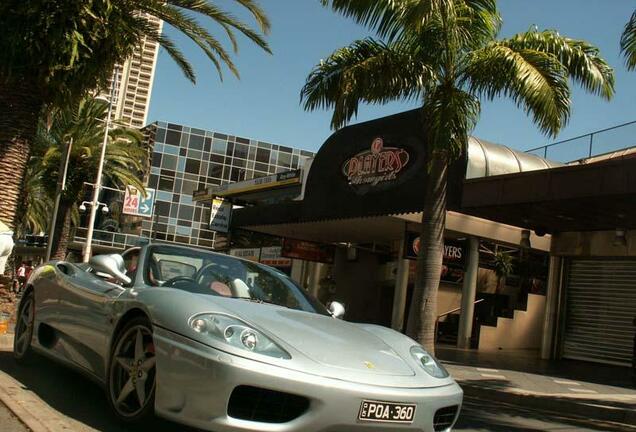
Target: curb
{"points": [[585, 408], [6, 341]]}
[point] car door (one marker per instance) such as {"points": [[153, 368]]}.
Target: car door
{"points": [[85, 317]]}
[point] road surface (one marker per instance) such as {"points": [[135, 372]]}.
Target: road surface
{"points": [[67, 400]]}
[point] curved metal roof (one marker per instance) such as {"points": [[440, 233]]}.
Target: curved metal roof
{"points": [[487, 159]]}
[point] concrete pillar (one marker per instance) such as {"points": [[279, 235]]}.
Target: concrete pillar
{"points": [[551, 307], [399, 294], [469, 290], [315, 274]]}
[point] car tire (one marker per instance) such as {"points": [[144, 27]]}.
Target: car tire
{"points": [[131, 375], [22, 351]]}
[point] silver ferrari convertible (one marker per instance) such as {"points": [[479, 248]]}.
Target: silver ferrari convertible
{"points": [[224, 344]]}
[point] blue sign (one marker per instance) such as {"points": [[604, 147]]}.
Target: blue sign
{"points": [[147, 203]]}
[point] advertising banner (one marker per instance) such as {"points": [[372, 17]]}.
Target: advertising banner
{"points": [[453, 260], [272, 256], [251, 254], [220, 215], [308, 251]]}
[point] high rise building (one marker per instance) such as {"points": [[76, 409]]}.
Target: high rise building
{"points": [[185, 159], [134, 80]]}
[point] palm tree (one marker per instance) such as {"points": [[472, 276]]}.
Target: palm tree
{"points": [[52, 52], [125, 160], [445, 54], [628, 42]]}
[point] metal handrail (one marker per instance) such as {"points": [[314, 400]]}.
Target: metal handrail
{"points": [[459, 308], [591, 142], [448, 313]]}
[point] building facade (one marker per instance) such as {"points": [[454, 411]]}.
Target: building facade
{"points": [[133, 85], [185, 159]]}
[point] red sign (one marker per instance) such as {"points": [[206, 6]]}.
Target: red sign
{"points": [[308, 251], [380, 164]]}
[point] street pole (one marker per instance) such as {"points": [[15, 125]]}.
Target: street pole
{"points": [[61, 186], [98, 183]]}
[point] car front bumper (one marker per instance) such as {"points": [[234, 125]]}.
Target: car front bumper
{"points": [[194, 384]]}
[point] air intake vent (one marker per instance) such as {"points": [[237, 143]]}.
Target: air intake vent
{"points": [[267, 406], [444, 418]]}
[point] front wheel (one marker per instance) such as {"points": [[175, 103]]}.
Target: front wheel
{"points": [[131, 375], [24, 328]]}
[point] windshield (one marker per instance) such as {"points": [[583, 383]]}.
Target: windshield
{"points": [[208, 273]]}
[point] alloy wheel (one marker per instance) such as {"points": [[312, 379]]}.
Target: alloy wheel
{"points": [[24, 327], [132, 372]]}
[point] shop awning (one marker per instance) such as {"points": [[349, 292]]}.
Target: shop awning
{"points": [[587, 197]]}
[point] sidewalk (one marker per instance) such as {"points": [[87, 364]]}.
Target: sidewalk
{"points": [[600, 392]]}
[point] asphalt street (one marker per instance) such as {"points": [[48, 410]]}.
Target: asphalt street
{"points": [[82, 406]]}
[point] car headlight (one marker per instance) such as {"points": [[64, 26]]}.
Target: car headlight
{"points": [[428, 362], [236, 333]]}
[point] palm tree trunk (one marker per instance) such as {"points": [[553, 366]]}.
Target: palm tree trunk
{"points": [[19, 110], [62, 231], [423, 309]]}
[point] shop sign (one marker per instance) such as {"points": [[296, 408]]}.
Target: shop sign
{"points": [[308, 251], [138, 204], [272, 256], [378, 165], [250, 254], [258, 183], [452, 261], [220, 215]]}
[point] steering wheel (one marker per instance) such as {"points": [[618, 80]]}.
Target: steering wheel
{"points": [[175, 281], [224, 280], [206, 269]]}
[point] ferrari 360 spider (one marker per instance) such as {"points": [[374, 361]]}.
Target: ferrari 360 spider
{"points": [[225, 344]]}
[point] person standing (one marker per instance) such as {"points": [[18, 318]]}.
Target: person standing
{"points": [[22, 273]]}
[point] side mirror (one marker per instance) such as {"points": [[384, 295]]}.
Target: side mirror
{"points": [[112, 265], [336, 309]]}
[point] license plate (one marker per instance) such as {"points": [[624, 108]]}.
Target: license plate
{"points": [[388, 412]]}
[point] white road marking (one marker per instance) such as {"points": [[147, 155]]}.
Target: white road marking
{"points": [[487, 370], [580, 390], [565, 382], [493, 376]]}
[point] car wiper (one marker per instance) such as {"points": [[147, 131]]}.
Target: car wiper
{"points": [[258, 300]]}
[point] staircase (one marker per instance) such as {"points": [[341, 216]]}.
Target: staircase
{"points": [[522, 330]]}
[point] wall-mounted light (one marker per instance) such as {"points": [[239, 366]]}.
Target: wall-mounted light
{"points": [[525, 239], [620, 237]]}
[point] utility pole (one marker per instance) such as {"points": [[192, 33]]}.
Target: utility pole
{"points": [[98, 183]]}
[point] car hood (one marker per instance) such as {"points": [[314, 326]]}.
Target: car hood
{"points": [[323, 345], [318, 344], [325, 340]]}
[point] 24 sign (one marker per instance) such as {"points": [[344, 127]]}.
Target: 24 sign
{"points": [[138, 204]]}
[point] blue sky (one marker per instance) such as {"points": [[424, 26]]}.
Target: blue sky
{"points": [[264, 103]]}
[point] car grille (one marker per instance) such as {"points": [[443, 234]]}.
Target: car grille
{"points": [[444, 418], [262, 405]]}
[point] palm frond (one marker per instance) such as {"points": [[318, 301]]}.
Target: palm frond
{"points": [[175, 13], [228, 21], [628, 42], [366, 71], [533, 79], [582, 60], [189, 26]]}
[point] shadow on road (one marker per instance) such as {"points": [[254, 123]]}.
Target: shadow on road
{"points": [[480, 414], [75, 396]]}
